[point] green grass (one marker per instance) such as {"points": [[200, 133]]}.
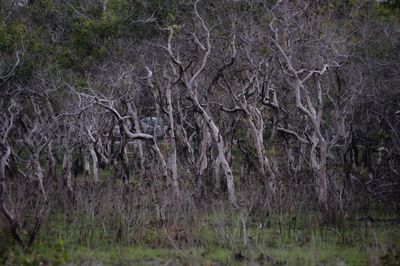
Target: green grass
{"points": [[58, 254], [116, 233], [82, 239]]}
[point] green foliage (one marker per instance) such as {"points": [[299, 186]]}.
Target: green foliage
{"points": [[273, 152], [89, 37], [66, 59], [392, 4], [42, 10], [6, 239], [56, 37], [384, 12], [117, 6], [6, 39], [11, 36], [165, 147], [379, 137]]}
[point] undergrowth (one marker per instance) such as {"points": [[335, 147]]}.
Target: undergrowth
{"points": [[215, 238], [110, 224]]}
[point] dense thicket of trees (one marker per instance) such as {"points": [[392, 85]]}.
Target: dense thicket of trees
{"points": [[298, 101]]}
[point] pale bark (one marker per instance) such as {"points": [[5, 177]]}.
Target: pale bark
{"points": [[295, 167], [132, 111], [190, 86], [135, 136], [97, 145], [35, 170], [5, 151], [101, 151], [256, 126], [171, 129], [318, 163], [254, 120], [3, 164], [154, 146], [95, 163], [204, 144], [217, 176], [173, 153], [3, 190], [51, 161], [86, 165], [217, 137], [181, 134], [66, 171]]}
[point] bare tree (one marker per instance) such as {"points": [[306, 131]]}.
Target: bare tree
{"points": [[306, 82], [190, 84]]}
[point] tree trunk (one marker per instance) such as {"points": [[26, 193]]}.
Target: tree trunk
{"points": [[66, 172], [37, 172], [318, 163], [51, 162], [204, 144], [12, 221], [138, 144], [122, 156], [258, 145], [217, 176], [3, 164], [182, 136], [154, 146], [217, 137], [322, 181], [125, 164], [86, 164], [258, 139], [95, 163], [173, 154]]}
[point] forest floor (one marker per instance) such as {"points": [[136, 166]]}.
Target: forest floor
{"points": [[105, 226], [215, 240]]}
